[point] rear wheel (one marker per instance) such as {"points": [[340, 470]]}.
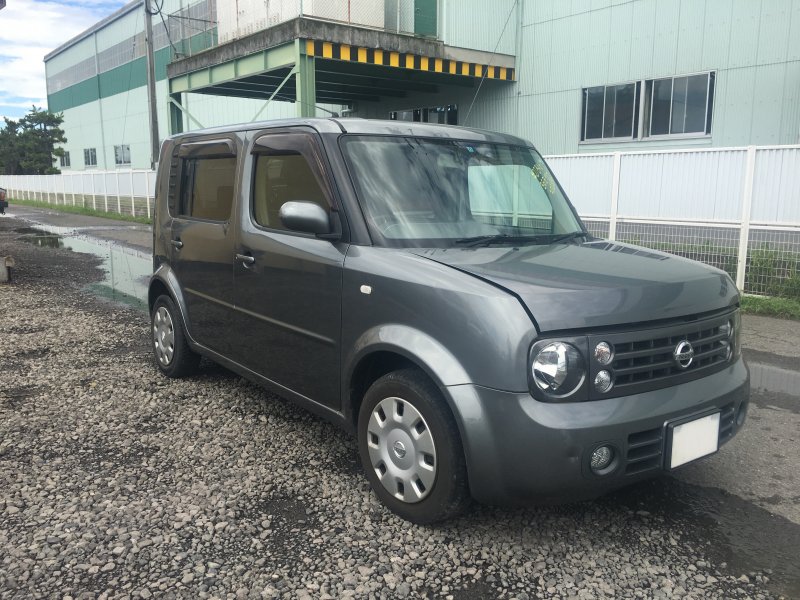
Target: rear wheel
{"points": [[410, 448], [172, 353]]}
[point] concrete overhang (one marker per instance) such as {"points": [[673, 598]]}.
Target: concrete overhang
{"points": [[352, 63]]}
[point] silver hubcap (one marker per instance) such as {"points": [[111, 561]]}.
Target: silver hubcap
{"points": [[401, 450], [163, 336]]}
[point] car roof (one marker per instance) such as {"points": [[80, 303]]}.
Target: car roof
{"points": [[367, 127]]}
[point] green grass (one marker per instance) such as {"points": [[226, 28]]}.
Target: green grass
{"points": [[79, 210], [771, 306]]}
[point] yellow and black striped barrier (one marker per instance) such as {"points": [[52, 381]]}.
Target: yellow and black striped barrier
{"points": [[387, 58]]}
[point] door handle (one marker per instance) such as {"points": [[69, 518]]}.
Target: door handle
{"points": [[245, 259], [177, 244]]}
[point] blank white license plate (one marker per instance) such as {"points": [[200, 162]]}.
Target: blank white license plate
{"points": [[694, 439]]}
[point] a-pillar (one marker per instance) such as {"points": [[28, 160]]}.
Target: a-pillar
{"points": [[305, 82]]}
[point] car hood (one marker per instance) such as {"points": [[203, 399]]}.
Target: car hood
{"points": [[595, 284]]}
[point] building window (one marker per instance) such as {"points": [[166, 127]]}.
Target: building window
{"points": [[64, 160], [653, 107], [122, 154], [90, 157], [610, 111], [679, 105], [445, 115]]}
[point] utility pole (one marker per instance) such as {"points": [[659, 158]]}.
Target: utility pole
{"points": [[151, 84]]}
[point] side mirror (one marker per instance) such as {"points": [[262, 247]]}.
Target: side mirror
{"points": [[305, 217]]}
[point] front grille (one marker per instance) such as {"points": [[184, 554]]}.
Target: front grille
{"points": [[644, 360], [652, 359]]}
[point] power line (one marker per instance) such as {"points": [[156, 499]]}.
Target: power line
{"points": [[486, 70]]}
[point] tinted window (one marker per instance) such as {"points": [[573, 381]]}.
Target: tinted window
{"points": [[207, 190], [279, 179]]}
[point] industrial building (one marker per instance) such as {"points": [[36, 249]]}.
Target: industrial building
{"points": [[573, 76]]}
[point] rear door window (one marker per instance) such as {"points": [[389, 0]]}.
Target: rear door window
{"points": [[207, 179], [208, 188]]}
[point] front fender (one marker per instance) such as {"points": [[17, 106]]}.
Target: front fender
{"points": [[431, 356]]}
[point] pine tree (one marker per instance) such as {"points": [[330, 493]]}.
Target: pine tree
{"points": [[27, 146]]}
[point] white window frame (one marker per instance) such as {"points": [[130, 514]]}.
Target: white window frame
{"points": [[87, 152], [634, 118], [643, 125], [123, 148], [669, 134]]}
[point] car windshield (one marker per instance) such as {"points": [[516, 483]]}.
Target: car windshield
{"points": [[421, 192]]}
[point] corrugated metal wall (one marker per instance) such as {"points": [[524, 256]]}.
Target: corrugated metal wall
{"points": [[472, 24], [568, 45]]}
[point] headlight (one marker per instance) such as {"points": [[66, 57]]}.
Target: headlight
{"points": [[558, 369], [736, 323]]}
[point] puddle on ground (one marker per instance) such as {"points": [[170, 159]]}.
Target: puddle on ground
{"points": [[127, 271], [724, 527]]}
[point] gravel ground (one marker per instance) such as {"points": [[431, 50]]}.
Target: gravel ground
{"points": [[118, 483]]}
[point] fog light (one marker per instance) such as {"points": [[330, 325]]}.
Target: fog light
{"points": [[603, 353], [601, 458], [603, 382]]}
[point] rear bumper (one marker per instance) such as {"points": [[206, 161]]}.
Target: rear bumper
{"points": [[520, 450]]}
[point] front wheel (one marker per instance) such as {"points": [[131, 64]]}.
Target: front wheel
{"points": [[172, 353], [410, 448]]}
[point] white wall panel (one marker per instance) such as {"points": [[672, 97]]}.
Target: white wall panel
{"points": [[587, 181], [776, 186], [682, 185]]}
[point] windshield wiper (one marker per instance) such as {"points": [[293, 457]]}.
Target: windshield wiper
{"points": [[499, 238], [504, 238]]}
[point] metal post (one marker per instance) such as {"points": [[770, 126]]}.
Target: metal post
{"points": [[94, 196], [119, 196], [305, 82], [747, 205], [612, 222], [151, 84], [147, 191], [133, 197]]}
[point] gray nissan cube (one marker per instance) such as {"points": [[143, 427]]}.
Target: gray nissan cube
{"points": [[432, 290]]}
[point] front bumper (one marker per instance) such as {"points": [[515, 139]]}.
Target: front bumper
{"points": [[520, 450]]}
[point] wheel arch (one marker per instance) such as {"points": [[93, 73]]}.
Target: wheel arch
{"points": [[164, 282], [389, 348]]}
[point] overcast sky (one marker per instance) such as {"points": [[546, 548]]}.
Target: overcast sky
{"points": [[29, 29]]}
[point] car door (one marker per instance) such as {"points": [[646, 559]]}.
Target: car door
{"points": [[288, 285], [202, 236]]}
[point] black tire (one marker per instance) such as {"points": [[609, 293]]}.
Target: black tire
{"points": [[181, 361], [449, 493]]}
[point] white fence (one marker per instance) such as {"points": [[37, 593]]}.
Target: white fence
{"points": [[124, 192], [735, 208]]}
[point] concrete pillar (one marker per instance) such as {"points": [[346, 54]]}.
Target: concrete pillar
{"points": [[305, 82]]}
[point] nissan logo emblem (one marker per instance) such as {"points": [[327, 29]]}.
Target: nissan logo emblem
{"points": [[683, 354]]}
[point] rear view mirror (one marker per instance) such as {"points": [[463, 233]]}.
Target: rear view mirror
{"points": [[305, 217]]}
